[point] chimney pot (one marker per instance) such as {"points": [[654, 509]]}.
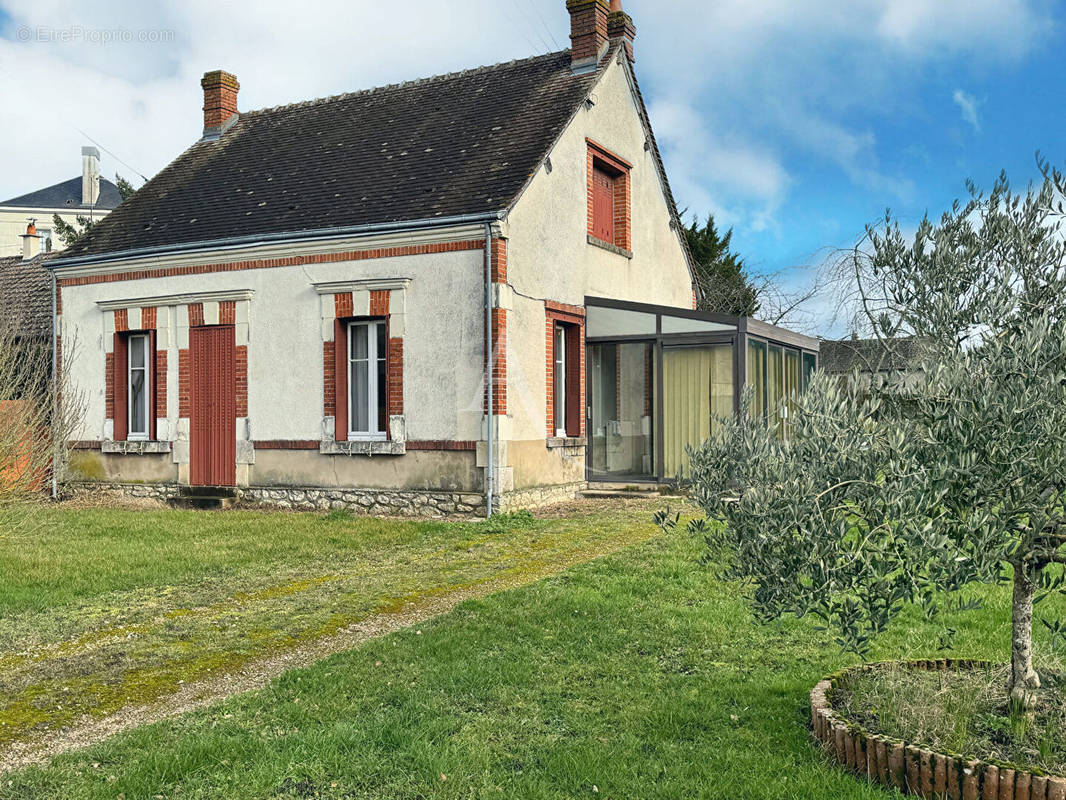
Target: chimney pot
{"points": [[90, 176], [220, 101], [588, 33], [31, 242]]}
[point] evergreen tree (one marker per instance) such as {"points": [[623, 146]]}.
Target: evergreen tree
{"points": [[723, 283]]}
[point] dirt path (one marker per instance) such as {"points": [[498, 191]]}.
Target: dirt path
{"points": [[90, 730]]}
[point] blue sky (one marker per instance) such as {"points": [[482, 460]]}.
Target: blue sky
{"points": [[794, 121]]}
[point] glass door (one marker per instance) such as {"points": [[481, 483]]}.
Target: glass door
{"points": [[621, 411], [698, 391]]}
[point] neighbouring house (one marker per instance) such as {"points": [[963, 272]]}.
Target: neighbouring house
{"points": [[87, 196], [892, 359], [26, 291], [298, 306], [26, 317]]}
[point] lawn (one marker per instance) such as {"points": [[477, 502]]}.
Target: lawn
{"points": [[637, 675], [103, 610]]}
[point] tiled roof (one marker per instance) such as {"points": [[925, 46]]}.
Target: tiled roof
{"points": [[443, 147], [26, 295], [870, 355], [67, 195]]}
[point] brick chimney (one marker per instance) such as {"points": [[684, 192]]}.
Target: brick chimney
{"points": [[31, 242], [620, 26], [220, 102], [588, 33], [90, 176]]}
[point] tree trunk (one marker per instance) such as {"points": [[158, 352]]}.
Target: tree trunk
{"points": [[1024, 680]]}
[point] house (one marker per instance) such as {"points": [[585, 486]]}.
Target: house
{"points": [[87, 196], [26, 291], [893, 359], [298, 306]]}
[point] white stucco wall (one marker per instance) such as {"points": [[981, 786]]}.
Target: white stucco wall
{"points": [[13, 223], [549, 256], [443, 343]]}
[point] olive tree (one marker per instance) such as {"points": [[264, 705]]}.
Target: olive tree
{"points": [[887, 491]]}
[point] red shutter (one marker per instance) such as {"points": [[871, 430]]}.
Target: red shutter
{"points": [[121, 378], [603, 205], [340, 351], [150, 388], [573, 381]]}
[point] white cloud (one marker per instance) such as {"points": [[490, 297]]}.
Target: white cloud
{"points": [[739, 181], [745, 91], [967, 104]]}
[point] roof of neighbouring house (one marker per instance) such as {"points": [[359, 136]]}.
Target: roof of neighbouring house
{"points": [[26, 295], [439, 148], [67, 195], [870, 355]]}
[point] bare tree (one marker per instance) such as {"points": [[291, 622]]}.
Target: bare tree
{"points": [[37, 416]]}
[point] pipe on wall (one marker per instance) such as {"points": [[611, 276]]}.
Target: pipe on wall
{"points": [[490, 465]]}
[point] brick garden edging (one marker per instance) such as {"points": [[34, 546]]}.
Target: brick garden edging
{"points": [[913, 769]]}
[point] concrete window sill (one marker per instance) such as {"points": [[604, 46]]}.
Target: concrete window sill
{"points": [[363, 448], [135, 448], [610, 248], [557, 442]]}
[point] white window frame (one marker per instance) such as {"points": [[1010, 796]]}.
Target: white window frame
{"points": [[138, 340], [373, 357], [559, 344]]}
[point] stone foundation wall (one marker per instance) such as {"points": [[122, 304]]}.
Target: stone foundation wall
{"points": [[539, 497], [120, 491], [370, 502]]}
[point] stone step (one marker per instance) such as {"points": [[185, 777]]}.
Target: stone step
{"points": [[201, 503]]}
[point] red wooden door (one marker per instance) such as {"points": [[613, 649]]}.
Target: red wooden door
{"points": [[602, 205], [213, 396]]}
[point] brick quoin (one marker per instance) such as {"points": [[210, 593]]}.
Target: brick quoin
{"points": [[329, 374], [275, 263], [379, 304], [241, 379], [227, 312], [394, 367], [498, 274], [196, 315], [343, 305], [572, 315], [161, 384], [109, 385], [184, 382], [149, 316], [122, 320]]}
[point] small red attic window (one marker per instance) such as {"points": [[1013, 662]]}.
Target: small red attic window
{"points": [[609, 206]]}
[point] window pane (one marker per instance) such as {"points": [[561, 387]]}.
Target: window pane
{"points": [[689, 325], [359, 341], [360, 388], [137, 352], [604, 322], [380, 326], [559, 388], [137, 404]]}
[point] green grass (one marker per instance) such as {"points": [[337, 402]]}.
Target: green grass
{"points": [[102, 610], [635, 676], [965, 712]]}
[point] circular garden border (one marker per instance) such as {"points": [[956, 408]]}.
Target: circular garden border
{"points": [[916, 770]]}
